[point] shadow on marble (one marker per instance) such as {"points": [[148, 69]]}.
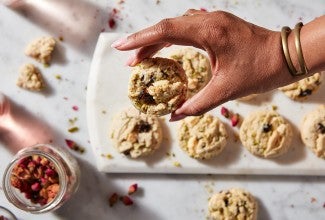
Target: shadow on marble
{"points": [[59, 54], [260, 99], [48, 90], [91, 199], [262, 212], [79, 22], [20, 128]]}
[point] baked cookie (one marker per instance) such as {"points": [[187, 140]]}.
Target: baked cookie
{"points": [[266, 134], [202, 137], [41, 49], [197, 68], [313, 131], [157, 86], [30, 78], [247, 98], [303, 88], [233, 204], [136, 134]]}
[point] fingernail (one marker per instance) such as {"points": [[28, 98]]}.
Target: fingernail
{"points": [[131, 60], [119, 42], [177, 117]]}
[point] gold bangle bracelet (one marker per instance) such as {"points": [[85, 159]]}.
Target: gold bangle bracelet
{"points": [[284, 38], [301, 60]]}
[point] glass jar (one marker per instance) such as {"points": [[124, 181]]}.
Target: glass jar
{"points": [[41, 178]]}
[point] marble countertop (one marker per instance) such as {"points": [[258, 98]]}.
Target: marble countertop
{"points": [[47, 114]]}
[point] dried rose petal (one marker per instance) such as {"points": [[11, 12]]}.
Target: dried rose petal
{"points": [[225, 112], [133, 188], [50, 172], [111, 23], [126, 200], [112, 200], [36, 187], [235, 120], [75, 108], [71, 144]]}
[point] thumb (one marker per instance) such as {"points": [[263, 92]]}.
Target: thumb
{"points": [[212, 95]]}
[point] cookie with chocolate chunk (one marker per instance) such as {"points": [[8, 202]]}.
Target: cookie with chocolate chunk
{"points": [[135, 134], [197, 68], [313, 131], [202, 137], [157, 86], [303, 88], [266, 134]]}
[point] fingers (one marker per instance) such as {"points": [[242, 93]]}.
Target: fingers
{"points": [[177, 30], [144, 52], [208, 98]]}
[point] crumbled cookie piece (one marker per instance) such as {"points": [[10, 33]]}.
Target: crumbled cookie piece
{"points": [[30, 78], [41, 49]]}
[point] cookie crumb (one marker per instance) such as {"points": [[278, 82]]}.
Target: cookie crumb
{"points": [[30, 78], [41, 49], [73, 129], [177, 164]]}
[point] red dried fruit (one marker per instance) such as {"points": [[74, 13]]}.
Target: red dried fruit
{"points": [[71, 144], [133, 188], [36, 187], [111, 23], [50, 172], [126, 200], [225, 112], [75, 108], [203, 9], [234, 120], [112, 200], [33, 176]]}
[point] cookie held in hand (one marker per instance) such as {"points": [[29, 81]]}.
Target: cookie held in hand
{"points": [[157, 86]]}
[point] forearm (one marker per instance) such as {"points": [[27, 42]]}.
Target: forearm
{"points": [[312, 37]]}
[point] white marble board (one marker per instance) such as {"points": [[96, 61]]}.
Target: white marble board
{"points": [[107, 94]]}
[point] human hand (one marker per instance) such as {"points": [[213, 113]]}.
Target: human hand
{"points": [[244, 58]]}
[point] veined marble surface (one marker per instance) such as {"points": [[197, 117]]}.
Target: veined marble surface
{"points": [[160, 196]]}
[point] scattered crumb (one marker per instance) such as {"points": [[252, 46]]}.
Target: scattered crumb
{"points": [[274, 107], [177, 164], [73, 129], [58, 76], [41, 49], [72, 121], [157, 2], [61, 38], [313, 200], [209, 187], [30, 78], [292, 206], [104, 112], [108, 156]]}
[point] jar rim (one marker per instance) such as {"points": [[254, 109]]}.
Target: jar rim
{"points": [[8, 188]]}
